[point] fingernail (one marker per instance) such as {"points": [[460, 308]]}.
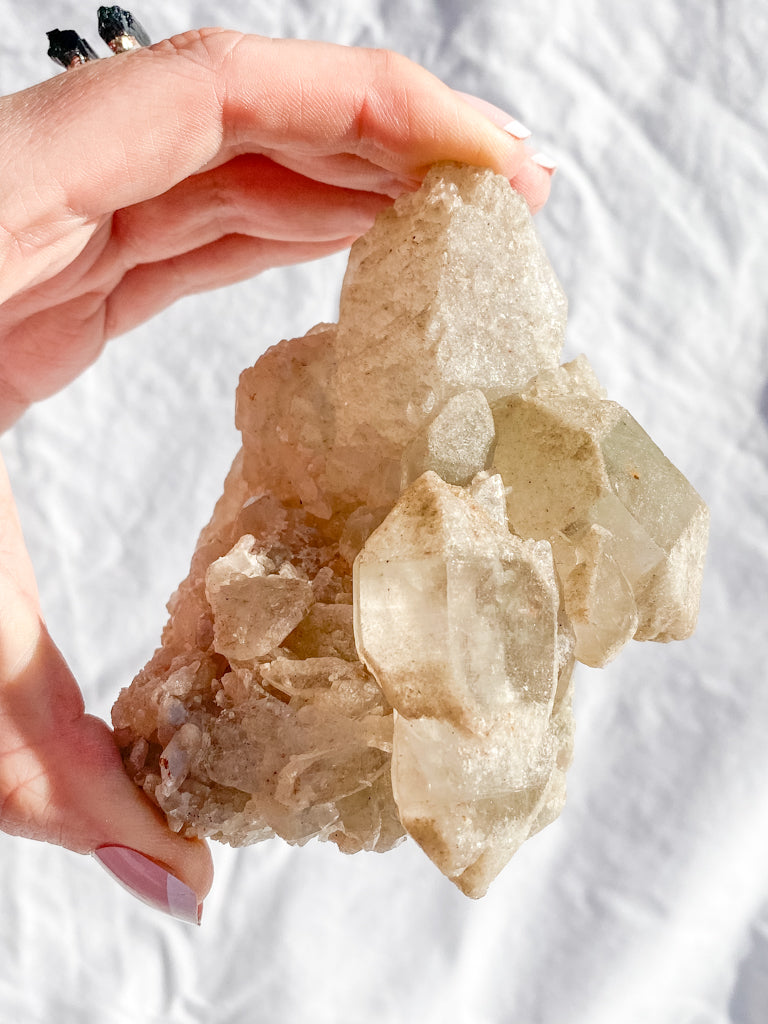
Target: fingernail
{"points": [[545, 161], [517, 130], [149, 882]]}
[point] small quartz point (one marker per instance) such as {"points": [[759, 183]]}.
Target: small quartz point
{"points": [[428, 520], [456, 444], [254, 609]]}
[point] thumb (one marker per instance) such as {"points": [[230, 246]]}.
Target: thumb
{"points": [[61, 775]]}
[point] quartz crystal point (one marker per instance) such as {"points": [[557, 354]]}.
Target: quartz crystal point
{"points": [[459, 621], [449, 292], [453, 287], [374, 635], [628, 530]]}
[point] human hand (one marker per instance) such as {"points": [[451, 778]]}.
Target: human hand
{"points": [[128, 183], [205, 159]]}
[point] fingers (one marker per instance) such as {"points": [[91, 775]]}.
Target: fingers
{"points": [[62, 779], [374, 104], [123, 130], [534, 177], [533, 182], [83, 324], [151, 287], [249, 195], [116, 300], [61, 775]]}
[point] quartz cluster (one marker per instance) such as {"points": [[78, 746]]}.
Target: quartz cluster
{"points": [[429, 520]]}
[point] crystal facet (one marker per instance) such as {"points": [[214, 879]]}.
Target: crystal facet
{"points": [[574, 462]]}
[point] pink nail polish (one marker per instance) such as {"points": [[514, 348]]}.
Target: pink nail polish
{"points": [[149, 882], [545, 161], [517, 130]]}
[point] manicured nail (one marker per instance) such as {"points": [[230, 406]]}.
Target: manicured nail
{"points": [[150, 883], [517, 130], [545, 161]]}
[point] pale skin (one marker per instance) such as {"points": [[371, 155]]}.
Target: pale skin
{"points": [[128, 183]]}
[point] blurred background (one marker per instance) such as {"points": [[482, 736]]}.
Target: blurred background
{"points": [[647, 901]]}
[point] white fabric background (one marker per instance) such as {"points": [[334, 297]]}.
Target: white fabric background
{"points": [[647, 902]]}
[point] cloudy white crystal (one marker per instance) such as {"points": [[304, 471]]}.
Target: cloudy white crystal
{"points": [[453, 284], [484, 497]]}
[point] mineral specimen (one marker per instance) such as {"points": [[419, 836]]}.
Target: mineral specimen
{"points": [[428, 520], [120, 30]]}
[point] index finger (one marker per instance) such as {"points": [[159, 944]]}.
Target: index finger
{"points": [[119, 131]]}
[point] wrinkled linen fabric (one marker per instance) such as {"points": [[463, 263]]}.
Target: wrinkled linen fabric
{"points": [[647, 901]]}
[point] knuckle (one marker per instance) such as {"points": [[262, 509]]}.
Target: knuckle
{"points": [[386, 63], [207, 47]]}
